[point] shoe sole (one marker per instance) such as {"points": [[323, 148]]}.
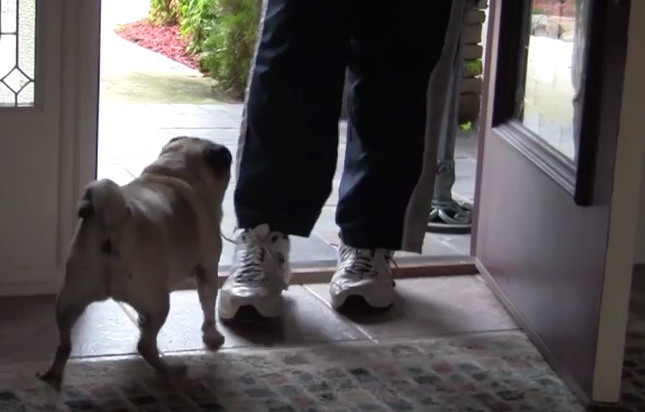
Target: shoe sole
{"points": [[376, 298], [267, 307]]}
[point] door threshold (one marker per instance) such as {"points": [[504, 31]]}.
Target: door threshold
{"points": [[415, 267], [304, 273]]}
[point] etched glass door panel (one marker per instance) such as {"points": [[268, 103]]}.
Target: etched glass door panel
{"points": [[17, 53]]}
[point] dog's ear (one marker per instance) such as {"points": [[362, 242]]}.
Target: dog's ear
{"points": [[218, 158], [85, 207], [174, 139], [171, 141]]}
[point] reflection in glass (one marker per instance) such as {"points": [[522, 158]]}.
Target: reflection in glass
{"points": [[552, 102]]}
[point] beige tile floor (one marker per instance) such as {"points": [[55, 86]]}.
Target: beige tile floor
{"points": [[427, 307]]}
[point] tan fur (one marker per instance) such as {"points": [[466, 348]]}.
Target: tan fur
{"points": [[136, 242]]}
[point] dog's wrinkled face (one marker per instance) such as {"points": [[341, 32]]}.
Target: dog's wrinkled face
{"points": [[206, 162]]}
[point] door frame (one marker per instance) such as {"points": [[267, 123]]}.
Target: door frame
{"points": [[79, 122], [87, 57], [620, 121], [80, 85], [76, 154]]}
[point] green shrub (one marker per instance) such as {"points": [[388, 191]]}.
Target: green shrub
{"points": [[473, 68], [197, 19], [228, 47], [222, 33], [164, 12]]}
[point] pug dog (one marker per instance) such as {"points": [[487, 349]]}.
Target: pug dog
{"points": [[134, 243]]}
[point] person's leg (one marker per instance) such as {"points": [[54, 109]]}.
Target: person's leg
{"points": [[394, 50], [289, 138], [288, 145]]}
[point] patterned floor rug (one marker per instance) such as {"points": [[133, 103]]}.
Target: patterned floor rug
{"points": [[491, 372]]}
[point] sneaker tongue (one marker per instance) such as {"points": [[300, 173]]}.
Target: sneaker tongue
{"points": [[383, 253], [374, 255], [262, 230], [364, 253]]}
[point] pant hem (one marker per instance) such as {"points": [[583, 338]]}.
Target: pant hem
{"points": [[287, 224]]}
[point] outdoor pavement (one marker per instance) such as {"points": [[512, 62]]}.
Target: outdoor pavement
{"points": [[147, 98], [131, 136]]}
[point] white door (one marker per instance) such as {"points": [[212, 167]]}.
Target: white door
{"points": [[47, 134]]}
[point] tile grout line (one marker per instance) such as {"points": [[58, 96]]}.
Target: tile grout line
{"points": [[312, 344], [344, 319], [388, 340]]}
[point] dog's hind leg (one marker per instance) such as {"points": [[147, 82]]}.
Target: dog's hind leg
{"points": [[207, 291], [68, 309], [154, 316]]}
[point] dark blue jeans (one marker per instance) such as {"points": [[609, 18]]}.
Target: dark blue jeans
{"points": [[289, 138]]}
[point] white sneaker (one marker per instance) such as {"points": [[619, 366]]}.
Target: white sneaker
{"points": [[364, 273], [259, 274]]}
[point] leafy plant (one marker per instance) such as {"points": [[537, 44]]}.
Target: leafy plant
{"points": [[466, 127], [222, 33], [474, 67], [197, 19], [164, 12], [229, 46]]}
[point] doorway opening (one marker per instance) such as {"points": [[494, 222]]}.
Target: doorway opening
{"points": [[146, 98]]}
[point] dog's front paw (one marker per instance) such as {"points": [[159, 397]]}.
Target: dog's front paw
{"points": [[52, 378], [212, 339]]}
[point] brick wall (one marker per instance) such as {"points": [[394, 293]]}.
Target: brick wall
{"points": [[471, 82]]}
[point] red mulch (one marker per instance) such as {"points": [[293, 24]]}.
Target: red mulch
{"points": [[165, 40]]}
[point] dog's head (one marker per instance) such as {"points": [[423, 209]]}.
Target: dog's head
{"points": [[201, 162]]}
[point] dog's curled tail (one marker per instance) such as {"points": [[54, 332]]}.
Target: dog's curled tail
{"points": [[104, 203]]}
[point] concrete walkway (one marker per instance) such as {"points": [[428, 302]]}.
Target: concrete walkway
{"points": [[133, 74]]}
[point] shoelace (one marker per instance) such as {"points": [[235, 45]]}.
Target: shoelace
{"points": [[251, 259], [360, 262]]}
